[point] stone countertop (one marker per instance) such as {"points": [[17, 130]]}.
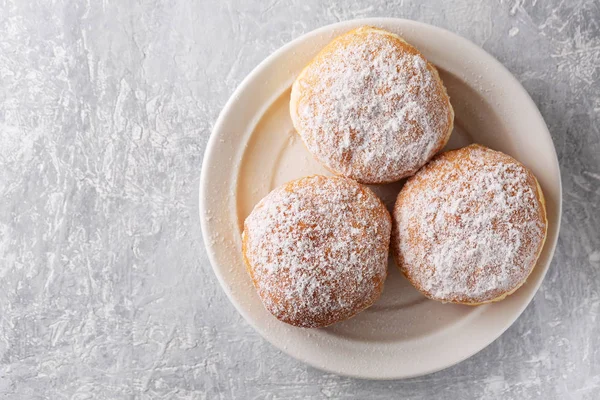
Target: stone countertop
{"points": [[105, 288]]}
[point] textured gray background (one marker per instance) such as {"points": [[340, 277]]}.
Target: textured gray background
{"points": [[105, 288]]}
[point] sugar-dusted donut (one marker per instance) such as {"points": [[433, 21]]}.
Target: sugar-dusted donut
{"points": [[370, 107], [469, 226], [316, 249]]}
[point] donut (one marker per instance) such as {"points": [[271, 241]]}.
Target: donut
{"points": [[316, 250], [469, 226], [370, 107]]}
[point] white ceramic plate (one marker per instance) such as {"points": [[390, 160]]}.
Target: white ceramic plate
{"points": [[254, 149]]}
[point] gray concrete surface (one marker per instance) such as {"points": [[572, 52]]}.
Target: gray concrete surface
{"points": [[105, 288]]}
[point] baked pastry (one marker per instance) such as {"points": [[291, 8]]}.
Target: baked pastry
{"points": [[469, 226], [370, 107], [316, 249]]}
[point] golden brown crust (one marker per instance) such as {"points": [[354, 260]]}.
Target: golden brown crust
{"points": [[469, 200], [316, 250], [364, 122]]}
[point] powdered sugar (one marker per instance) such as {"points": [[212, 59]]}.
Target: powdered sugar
{"points": [[469, 226], [370, 108], [317, 250]]}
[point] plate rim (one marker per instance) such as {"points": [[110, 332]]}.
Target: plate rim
{"points": [[212, 142]]}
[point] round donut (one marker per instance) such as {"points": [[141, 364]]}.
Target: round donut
{"points": [[469, 226], [370, 107], [316, 249]]}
